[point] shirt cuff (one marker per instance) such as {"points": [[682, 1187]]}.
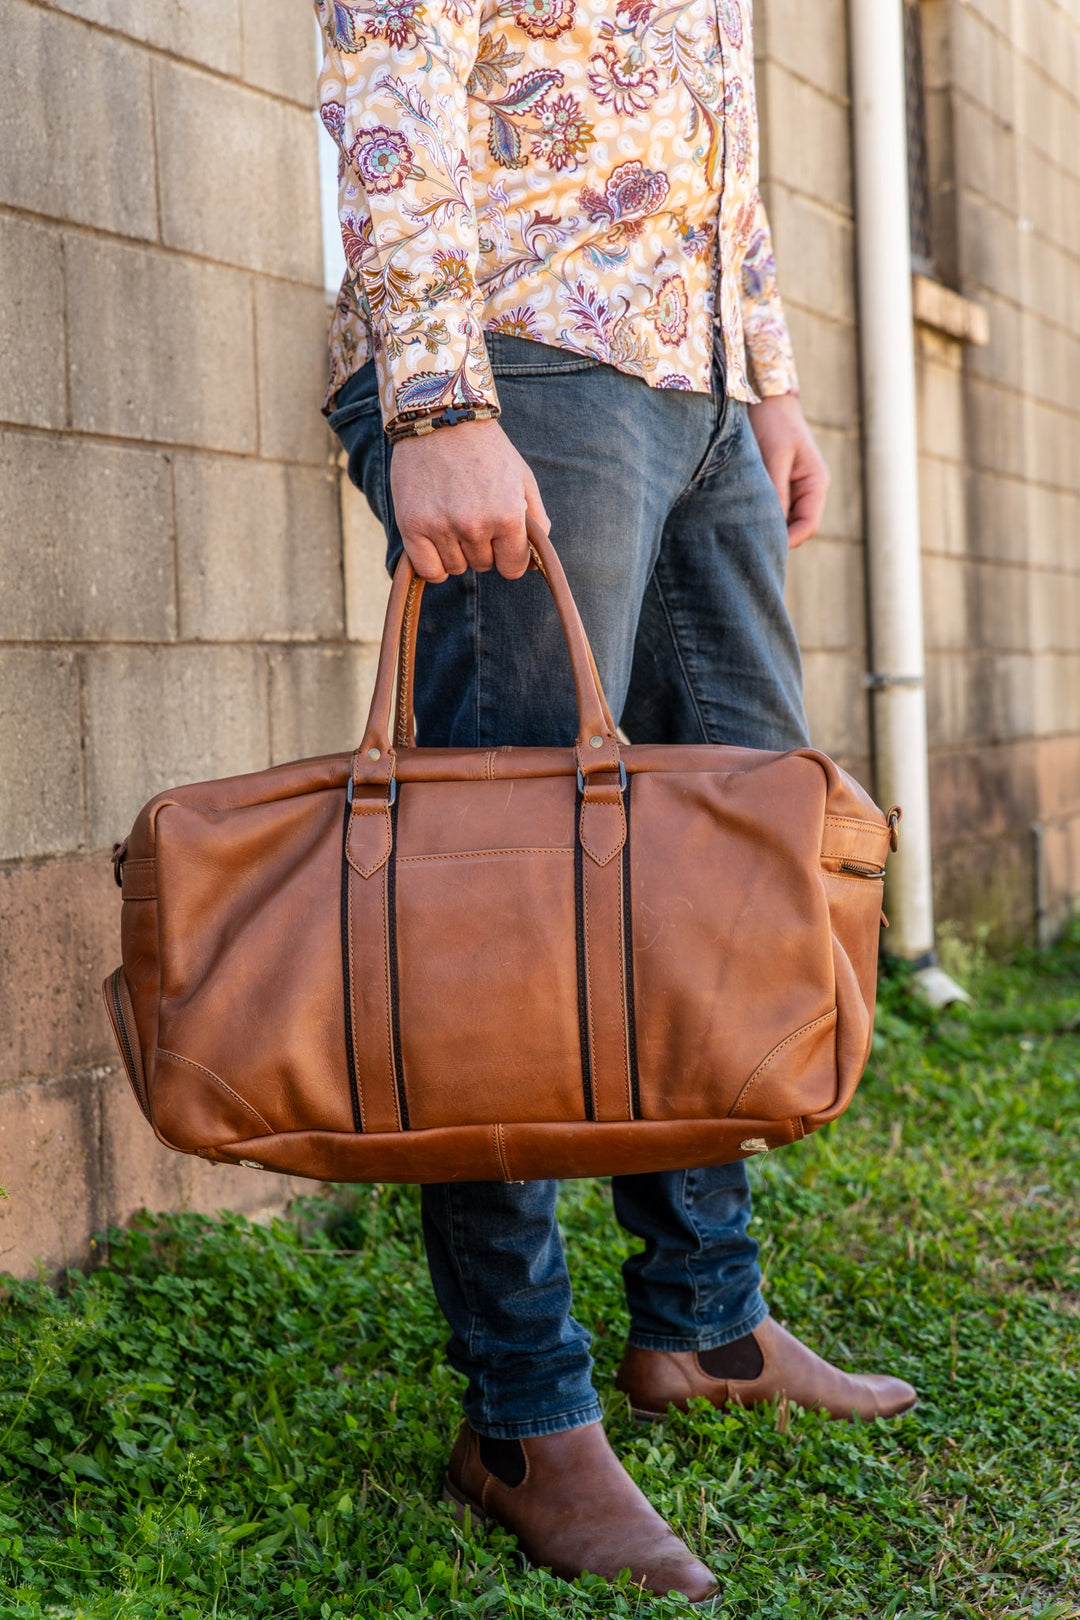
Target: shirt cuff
{"points": [[430, 359]]}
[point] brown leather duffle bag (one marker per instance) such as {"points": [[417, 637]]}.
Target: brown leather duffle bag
{"points": [[434, 964]]}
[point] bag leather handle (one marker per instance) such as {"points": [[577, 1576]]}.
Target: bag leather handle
{"points": [[404, 719], [597, 748]]}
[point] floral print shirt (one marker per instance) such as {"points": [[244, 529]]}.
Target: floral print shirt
{"points": [[562, 170]]}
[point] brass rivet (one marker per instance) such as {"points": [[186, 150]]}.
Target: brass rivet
{"points": [[373, 753], [596, 742]]}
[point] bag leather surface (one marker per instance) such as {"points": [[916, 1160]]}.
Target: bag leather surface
{"points": [[418, 964]]}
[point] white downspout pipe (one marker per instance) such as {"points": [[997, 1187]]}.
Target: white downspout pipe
{"points": [[891, 460]]}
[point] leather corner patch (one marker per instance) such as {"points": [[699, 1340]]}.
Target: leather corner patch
{"points": [[370, 838]]}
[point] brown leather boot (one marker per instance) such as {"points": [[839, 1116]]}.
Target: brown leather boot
{"points": [[573, 1507], [657, 1379]]}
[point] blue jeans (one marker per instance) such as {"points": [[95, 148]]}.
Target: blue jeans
{"points": [[674, 543]]}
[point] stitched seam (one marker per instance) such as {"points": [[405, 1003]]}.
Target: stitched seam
{"points": [[764, 1064], [474, 854], [489, 765], [841, 855], [254, 1112], [503, 1155], [389, 1009], [355, 1025], [856, 821], [496, 1137], [850, 877]]}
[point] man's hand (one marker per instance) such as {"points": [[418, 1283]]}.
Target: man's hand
{"points": [[793, 462], [460, 499]]}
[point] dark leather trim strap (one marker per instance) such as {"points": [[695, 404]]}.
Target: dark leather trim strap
{"points": [[392, 961], [582, 970], [628, 953], [603, 926], [346, 975], [371, 998]]}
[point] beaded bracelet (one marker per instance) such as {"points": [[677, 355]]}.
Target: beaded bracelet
{"points": [[415, 427]]}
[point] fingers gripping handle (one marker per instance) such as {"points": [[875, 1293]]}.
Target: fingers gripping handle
{"points": [[597, 744]]}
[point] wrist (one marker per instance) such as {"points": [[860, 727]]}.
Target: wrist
{"points": [[418, 424]]}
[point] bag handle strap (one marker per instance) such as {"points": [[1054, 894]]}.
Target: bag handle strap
{"points": [[597, 748]]}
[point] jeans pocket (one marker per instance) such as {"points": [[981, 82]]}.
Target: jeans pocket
{"points": [[523, 357]]}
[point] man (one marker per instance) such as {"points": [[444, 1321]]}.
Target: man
{"points": [[561, 302]]}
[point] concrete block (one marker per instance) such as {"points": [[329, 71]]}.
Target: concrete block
{"points": [[1055, 697], [367, 583], [987, 248], [999, 515], [86, 542], [987, 883], [41, 799], [48, 1148], [943, 514], [995, 420], [843, 518], [1000, 611], [946, 610], [826, 596], [138, 1173], [806, 137], [280, 52], [953, 710], [32, 383], [1003, 359], [63, 83], [826, 353], [814, 249], [986, 153], [991, 789], [1057, 775], [159, 716], [160, 348], [812, 42], [259, 548], [1052, 438], [213, 138], [1013, 699], [319, 699], [982, 62], [59, 936], [291, 324], [940, 396], [837, 703], [1054, 611], [205, 31]]}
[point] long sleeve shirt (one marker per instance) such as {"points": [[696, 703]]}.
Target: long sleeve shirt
{"points": [[582, 173]]}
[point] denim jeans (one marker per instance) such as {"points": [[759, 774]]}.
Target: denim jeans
{"points": [[674, 543]]}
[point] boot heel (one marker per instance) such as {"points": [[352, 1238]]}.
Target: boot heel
{"points": [[459, 1502]]}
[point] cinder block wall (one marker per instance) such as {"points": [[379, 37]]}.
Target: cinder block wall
{"points": [[1002, 439], [999, 427], [173, 600], [804, 111]]}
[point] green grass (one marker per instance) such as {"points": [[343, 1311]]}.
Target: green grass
{"points": [[227, 1420]]}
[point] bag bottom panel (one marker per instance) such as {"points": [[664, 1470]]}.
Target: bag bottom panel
{"points": [[510, 1152]]}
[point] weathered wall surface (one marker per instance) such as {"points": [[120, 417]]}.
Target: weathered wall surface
{"points": [[173, 599], [999, 427]]}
